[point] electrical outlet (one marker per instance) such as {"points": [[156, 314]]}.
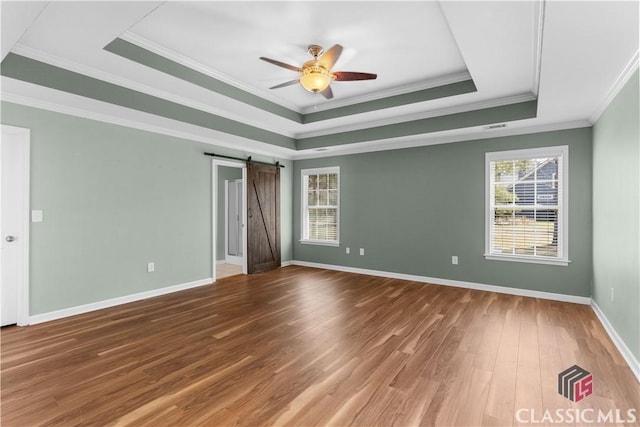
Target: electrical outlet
{"points": [[151, 267], [362, 251], [348, 250], [611, 294], [454, 260], [36, 216]]}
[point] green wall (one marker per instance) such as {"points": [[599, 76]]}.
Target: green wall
{"points": [[412, 209], [229, 174], [115, 198], [616, 214]]}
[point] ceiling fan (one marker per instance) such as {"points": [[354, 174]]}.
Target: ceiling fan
{"points": [[316, 75]]}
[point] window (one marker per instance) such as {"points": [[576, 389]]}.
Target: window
{"points": [[321, 206], [526, 209]]}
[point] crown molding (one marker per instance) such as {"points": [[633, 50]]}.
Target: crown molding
{"points": [[129, 84], [445, 137], [420, 115], [538, 28], [201, 68], [335, 103], [35, 100], [623, 78]]}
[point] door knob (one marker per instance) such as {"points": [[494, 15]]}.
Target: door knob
{"points": [[10, 239]]}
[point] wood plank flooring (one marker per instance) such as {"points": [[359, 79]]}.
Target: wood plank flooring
{"points": [[301, 346], [227, 270]]}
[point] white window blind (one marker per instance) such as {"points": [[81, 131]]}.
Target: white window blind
{"points": [[526, 205], [320, 205]]}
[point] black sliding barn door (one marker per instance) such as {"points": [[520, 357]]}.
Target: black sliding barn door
{"points": [[263, 217]]}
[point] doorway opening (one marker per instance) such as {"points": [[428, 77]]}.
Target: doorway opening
{"points": [[231, 265], [229, 218]]}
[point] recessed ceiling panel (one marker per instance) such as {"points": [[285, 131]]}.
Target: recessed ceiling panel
{"points": [[573, 56], [408, 44]]}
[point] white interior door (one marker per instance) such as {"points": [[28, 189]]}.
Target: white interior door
{"points": [[14, 225]]}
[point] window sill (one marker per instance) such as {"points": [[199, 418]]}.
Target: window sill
{"points": [[320, 243], [530, 260]]}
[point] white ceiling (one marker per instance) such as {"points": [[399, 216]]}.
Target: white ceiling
{"points": [[569, 55], [398, 41]]}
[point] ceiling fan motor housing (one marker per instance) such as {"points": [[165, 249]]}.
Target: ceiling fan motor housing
{"points": [[315, 50]]}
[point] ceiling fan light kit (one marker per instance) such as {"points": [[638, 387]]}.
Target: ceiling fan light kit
{"points": [[316, 75], [315, 78]]}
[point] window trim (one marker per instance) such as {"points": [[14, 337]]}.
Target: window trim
{"points": [[563, 204], [303, 207]]}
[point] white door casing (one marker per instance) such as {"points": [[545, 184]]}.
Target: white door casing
{"points": [[14, 225], [214, 209]]}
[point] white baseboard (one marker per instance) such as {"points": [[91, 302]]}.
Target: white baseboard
{"points": [[456, 283], [235, 260], [619, 343], [626, 353], [80, 309], [221, 261]]}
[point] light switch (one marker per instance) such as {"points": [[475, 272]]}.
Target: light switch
{"points": [[36, 216]]}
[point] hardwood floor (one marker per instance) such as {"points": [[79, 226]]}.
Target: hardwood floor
{"points": [[227, 270], [301, 346]]}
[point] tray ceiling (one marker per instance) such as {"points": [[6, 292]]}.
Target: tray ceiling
{"points": [[445, 70], [409, 45]]}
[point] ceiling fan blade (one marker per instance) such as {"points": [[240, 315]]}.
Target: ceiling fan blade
{"points": [[289, 83], [351, 75], [281, 64], [329, 58], [327, 93]]}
